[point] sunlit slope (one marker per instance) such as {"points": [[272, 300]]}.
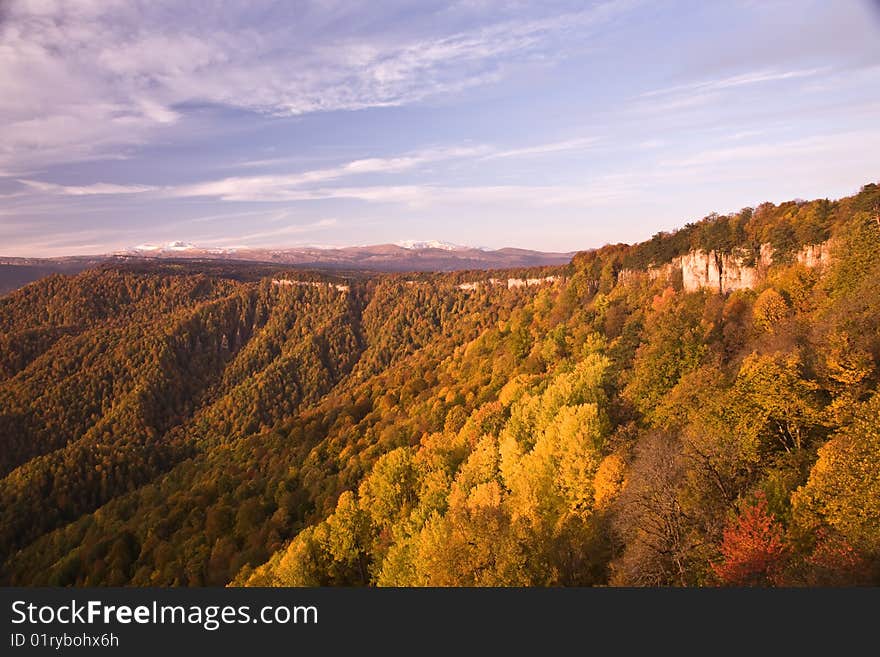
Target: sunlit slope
{"points": [[605, 424]]}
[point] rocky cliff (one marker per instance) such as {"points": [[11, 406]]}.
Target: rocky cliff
{"points": [[725, 272], [815, 255]]}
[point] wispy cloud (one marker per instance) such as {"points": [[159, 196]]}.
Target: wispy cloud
{"points": [[86, 190], [786, 150], [578, 144], [223, 216], [312, 184], [743, 79], [86, 81], [289, 186], [61, 243], [424, 195], [309, 184], [700, 93], [289, 230]]}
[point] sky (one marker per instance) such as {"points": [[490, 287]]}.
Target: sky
{"points": [[556, 126]]}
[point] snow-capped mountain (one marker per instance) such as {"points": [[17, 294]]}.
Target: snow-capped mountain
{"points": [[179, 246], [408, 255], [168, 247], [415, 245]]}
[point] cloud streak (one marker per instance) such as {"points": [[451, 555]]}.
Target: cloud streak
{"points": [[305, 185], [90, 80], [578, 144], [743, 79], [703, 92], [231, 241], [287, 186], [424, 195], [95, 189], [788, 150]]}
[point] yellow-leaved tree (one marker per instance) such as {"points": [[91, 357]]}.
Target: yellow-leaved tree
{"points": [[770, 309], [843, 491]]}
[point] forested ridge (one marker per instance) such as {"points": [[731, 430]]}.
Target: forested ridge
{"points": [[178, 424]]}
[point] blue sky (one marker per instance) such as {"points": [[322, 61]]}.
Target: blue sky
{"points": [[551, 125]]}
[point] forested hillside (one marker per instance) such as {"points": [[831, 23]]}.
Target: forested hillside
{"points": [[168, 425]]}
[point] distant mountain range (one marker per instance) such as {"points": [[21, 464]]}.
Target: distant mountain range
{"points": [[178, 246], [404, 256]]}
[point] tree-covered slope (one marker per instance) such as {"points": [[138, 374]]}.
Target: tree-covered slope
{"points": [[179, 427]]}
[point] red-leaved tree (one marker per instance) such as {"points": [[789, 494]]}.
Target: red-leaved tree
{"points": [[834, 562], [753, 550]]}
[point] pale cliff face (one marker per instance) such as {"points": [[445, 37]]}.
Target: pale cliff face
{"points": [[721, 272], [815, 255], [511, 283], [726, 272]]}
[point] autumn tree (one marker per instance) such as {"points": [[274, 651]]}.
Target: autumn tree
{"points": [[753, 550], [843, 491], [775, 402], [769, 310]]}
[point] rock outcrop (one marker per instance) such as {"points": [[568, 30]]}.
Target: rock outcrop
{"points": [[511, 283], [721, 271], [287, 282], [725, 272], [815, 255]]}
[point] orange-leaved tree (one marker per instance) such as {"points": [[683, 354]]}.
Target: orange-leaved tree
{"points": [[753, 549]]}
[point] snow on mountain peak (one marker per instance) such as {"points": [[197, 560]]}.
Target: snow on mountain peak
{"points": [[415, 245], [179, 246], [168, 246]]}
